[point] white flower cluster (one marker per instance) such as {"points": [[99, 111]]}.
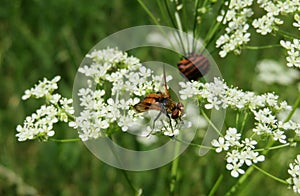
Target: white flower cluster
{"points": [[237, 27], [239, 152], [268, 22], [267, 124], [294, 171], [42, 89], [40, 124], [101, 109], [271, 72], [293, 51], [218, 95], [265, 107]]}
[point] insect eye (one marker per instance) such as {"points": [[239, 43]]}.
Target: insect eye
{"points": [[180, 106]]}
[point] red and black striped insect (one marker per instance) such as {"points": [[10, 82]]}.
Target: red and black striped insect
{"points": [[194, 66], [162, 102]]}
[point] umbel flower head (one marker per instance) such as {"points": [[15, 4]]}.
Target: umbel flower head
{"points": [[265, 108], [40, 124], [103, 112]]}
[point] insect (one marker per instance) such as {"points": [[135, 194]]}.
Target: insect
{"points": [[194, 66], [162, 102]]}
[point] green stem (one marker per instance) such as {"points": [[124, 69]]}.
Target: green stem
{"points": [[273, 147], [136, 192], [214, 28], [163, 12], [286, 34], [133, 188], [296, 104], [64, 140], [211, 123], [237, 119], [156, 22], [240, 181], [216, 185], [261, 47], [244, 122], [195, 24], [72, 117], [174, 169], [270, 175], [193, 144], [148, 12]]}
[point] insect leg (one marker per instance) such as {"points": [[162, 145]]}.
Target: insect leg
{"points": [[170, 122], [154, 121]]}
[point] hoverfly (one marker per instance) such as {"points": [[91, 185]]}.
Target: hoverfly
{"points": [[162, 102], [194, 66]]}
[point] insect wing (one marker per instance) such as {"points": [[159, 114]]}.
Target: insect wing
{"points": [[151, 101]]}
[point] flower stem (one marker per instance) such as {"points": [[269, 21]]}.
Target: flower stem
{"points": [[237, 119], [287, 34], [296, 104], [112, 148], [244, 122], [261, 47], [215, 27], [211, 123], [192, 144], [216, 185], [148, 12], [240, 181], [270, 175], [273, 147], [135, 190], [174, 169], [64, 140]]}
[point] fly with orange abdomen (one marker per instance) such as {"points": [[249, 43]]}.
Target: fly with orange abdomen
{"points": [[162, 102]]}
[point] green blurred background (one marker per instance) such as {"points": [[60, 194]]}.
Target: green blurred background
{"points": [[47, 38]]}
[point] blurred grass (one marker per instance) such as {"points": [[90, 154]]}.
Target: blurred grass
{"points": [[47, 38]]}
